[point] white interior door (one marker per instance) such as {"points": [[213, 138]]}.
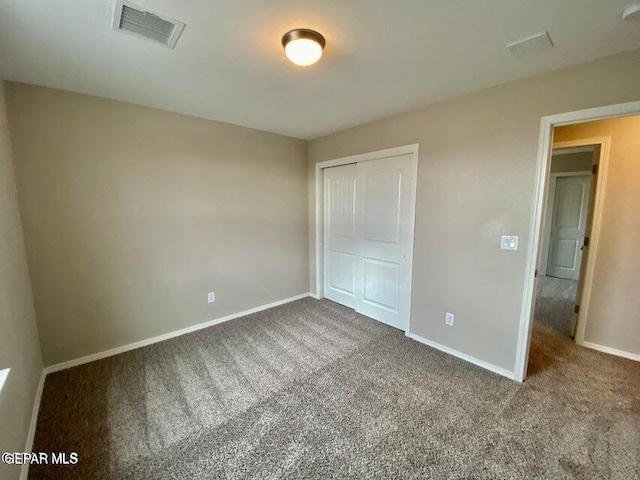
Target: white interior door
{"points": [[568, 226], [340, 247], [369, 210]]}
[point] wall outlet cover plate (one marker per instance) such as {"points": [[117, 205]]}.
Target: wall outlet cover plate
{"points": [[449, 318]]}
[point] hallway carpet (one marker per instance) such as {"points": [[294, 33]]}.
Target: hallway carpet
{"points": [[313, 390], [555, 300]]}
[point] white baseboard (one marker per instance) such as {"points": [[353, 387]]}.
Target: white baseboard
{"points": [[31, 433], [314, 295], [464, 356], [612, 351], [166, 336]]}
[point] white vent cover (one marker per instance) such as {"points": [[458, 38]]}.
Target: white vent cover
{"points": [[531, 45], [135, 20]]}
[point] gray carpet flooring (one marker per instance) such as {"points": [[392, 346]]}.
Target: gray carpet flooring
{"points": [[555, 300], [313, 390]]}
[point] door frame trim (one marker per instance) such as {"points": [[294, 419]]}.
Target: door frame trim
{"points": [[545, 144], [364, 157], [551, 200]]}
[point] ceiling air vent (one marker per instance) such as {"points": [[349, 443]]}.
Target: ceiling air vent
{"points": [[136, 21], [531, 45]]}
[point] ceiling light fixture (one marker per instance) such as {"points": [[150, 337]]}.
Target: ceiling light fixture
{"points": [[302, 46], [631, 13]]}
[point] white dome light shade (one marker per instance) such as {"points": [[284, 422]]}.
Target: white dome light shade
{"points": [[303, 51], [303, 47]]}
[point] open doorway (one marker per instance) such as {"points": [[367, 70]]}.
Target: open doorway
{"points": [[604, 294], [572, 183]]}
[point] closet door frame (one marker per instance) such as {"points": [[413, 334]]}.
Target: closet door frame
{"points": [[319, 204]]}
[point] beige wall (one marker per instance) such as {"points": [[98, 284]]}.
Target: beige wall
{"points": [[572, 162], [131, 215], [19, 347], [475, 183], [614, 309]]}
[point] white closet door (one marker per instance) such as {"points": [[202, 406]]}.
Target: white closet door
{"points": [[368, 230], [384, 217], [568, 226], [340, 246]]}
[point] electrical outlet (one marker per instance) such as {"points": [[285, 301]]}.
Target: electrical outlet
{"points": [[449, 318], [211, 297]]}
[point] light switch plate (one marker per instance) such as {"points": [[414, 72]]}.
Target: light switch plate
{"points": [[509, 242]]}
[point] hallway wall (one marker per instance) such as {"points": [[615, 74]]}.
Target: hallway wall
{"points": [[614, 318]]}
